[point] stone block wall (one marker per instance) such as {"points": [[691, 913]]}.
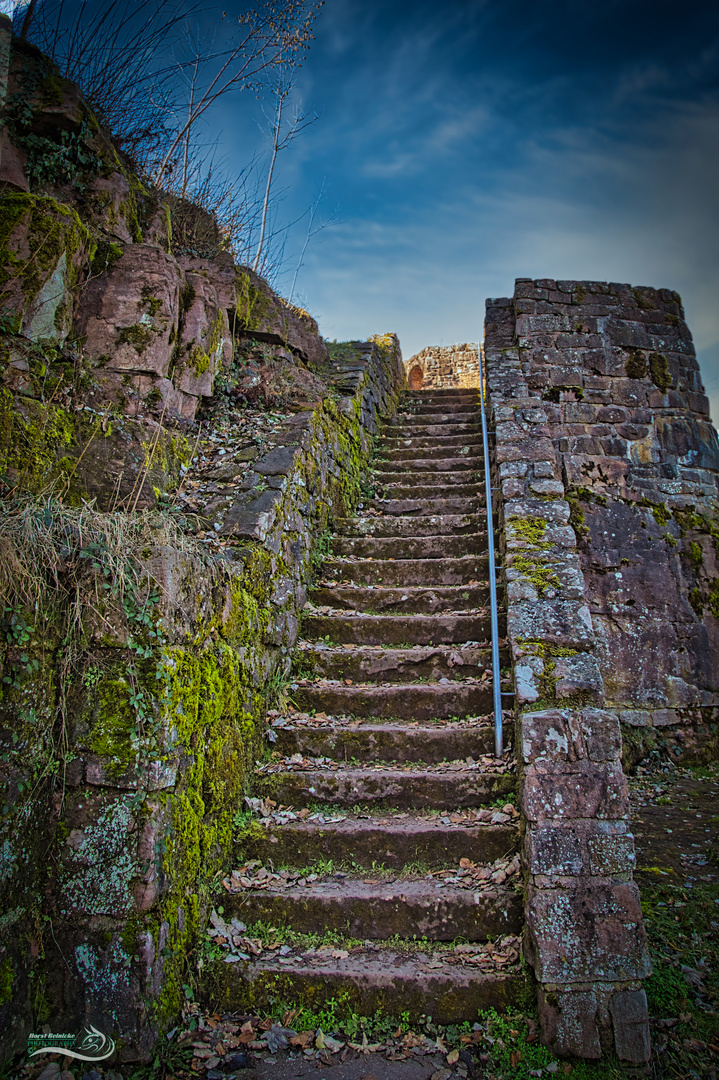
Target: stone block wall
{"points": [[584, 934], [616, 372], [608, 468], [128, 732], [441, 367]]}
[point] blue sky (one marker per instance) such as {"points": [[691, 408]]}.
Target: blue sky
{"points": [[468, 143]]}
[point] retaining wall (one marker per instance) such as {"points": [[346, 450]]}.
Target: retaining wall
{"points": [[153, 730]]}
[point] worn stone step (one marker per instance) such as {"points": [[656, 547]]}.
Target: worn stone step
{"points": [[381, 910], [436, 429], [393, 525], [447, 416], [396, 629], [409, 449], [393, 982], [408, 490], [431, 393], [425, 600], [430, 743], [414, 786], [449, 464], [428, 506], [409, 547], [414, 405], [370, 663], [408, 701], [403, 572], [393, 841]]}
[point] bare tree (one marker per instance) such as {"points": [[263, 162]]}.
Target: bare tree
{"points": [[281, 139]]}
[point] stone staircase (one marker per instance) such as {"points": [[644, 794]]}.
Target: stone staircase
{"points": [[386, 819]]}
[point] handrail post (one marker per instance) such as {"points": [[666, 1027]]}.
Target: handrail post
{"points": [[494, 617]]}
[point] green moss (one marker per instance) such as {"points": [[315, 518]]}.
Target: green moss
{"points": [[660, 511], [536, 571], [644, 302], [697, 602], [138, 336], [659, 371], [636, 365], [52, 230], [7, 978], [696, 555], [714, 598], [112, 732], [153, 304], [578, 294], [105, 257], [34, 437], [530, 529], [252, 304], [576, 516], [198, 360]]}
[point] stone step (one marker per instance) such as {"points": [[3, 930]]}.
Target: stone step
{"points": [[431, 743], [453, 394], [380, 910], [404, 572], [372, 663], [418, 508], [393, 841], [372, 980], [408, 490], [415, 464], [409, 547], [413, 786], [393, 525], [406, 701], [409, 449], [425, 600], [426, 408], [396, 629], [435, 429], [445, 417]]}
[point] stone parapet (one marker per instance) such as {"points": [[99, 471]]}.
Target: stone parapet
{"points": [[584, 934]]}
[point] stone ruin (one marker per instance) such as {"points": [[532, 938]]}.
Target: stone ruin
{"points": [[606, 466], [443, 367]]}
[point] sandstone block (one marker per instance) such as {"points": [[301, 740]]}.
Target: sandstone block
{"points": [[635, 717], [557, 735], [568, 1021], [589, 933], [576, 674], [630, 1017], [574, 790]]}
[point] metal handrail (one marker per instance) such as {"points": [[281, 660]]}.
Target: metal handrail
{"points": [[494, 616]]}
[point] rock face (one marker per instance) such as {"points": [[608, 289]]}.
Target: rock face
{"points": [[443, 367], [91, 278], [608, 467]]}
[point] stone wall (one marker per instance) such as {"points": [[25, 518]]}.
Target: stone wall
{"points": [[608, 467], [584, 934], [129, 730], [443, 366]]}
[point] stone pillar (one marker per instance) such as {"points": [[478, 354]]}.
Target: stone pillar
{"points": [[584, 934]]}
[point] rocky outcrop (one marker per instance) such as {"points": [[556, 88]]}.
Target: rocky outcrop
{"points": [[92, 279]]}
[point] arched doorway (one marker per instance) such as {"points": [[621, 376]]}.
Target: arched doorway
{"points": [[415, 378]]}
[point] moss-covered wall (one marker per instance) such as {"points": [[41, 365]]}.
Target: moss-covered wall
{"points": [[131, 715]]}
